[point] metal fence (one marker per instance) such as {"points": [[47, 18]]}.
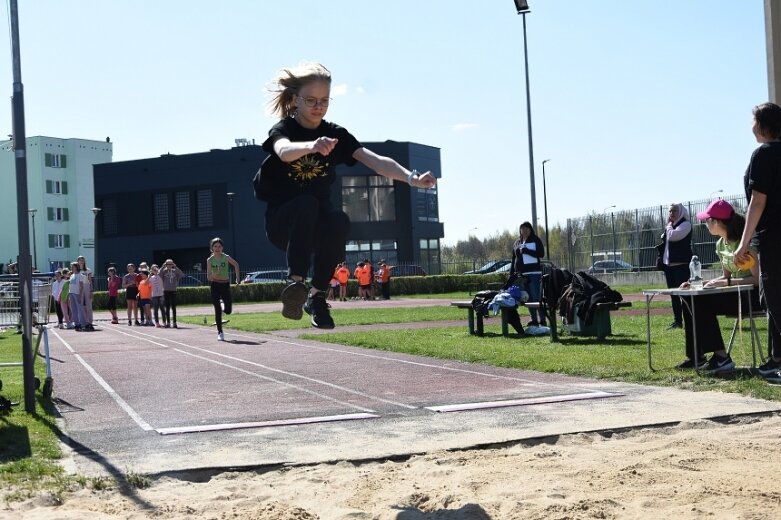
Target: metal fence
{"points": [[632, 235]]}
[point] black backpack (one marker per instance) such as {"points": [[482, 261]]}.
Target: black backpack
{"points": [[481, 300]]}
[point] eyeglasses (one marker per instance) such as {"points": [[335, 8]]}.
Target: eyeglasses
{"points": [[313, 101]]}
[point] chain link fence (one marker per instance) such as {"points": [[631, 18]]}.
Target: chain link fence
{"points": [[631, 236]]}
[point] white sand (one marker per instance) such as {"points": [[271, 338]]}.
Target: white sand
{"points": [[694, 470]]}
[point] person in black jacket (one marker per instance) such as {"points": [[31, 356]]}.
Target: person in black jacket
{"points": [[763, 191], [527, 251], [675, 256]]}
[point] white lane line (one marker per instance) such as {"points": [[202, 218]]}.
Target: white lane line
{"points": [[102, 382], [521, 402], [145, 337], [265, 424], [534, 382]]}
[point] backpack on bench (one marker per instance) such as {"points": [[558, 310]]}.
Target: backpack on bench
{"points": [[481, 301]]}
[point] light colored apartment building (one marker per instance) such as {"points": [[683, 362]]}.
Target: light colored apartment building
{"points": [[61, 197]]}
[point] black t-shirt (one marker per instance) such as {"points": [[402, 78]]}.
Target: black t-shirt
{"points": [[763, 175], [312, 173]]}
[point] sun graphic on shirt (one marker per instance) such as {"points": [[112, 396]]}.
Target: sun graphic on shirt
{"points": [[307, 168]]}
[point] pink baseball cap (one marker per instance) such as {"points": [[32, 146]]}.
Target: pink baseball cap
{"points": [[719, 209]]}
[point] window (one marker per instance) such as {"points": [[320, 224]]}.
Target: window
{"points": [[205, 208], [429, 254], [57, 187], [368, 199], [182, 205], [427, 205], [357, 250], [57, 214], [53, 160], [160, 209], [59, 241]]}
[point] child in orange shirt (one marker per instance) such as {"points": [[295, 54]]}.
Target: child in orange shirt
{"points": [[145, 297]]}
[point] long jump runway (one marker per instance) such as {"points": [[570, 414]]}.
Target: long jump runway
{"points": [[153, 401]]}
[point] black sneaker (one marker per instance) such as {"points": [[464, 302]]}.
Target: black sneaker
{"points": [[293, 298], [688, 363], [674, 325], [317, 307], [717, 364], [773, 377], [769, 368], [533, 323]]}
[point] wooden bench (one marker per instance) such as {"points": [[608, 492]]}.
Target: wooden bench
{"points": [[475, 321]]}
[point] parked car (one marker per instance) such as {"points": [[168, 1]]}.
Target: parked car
{"points": [[277, 275], [609, 266], [407, 270], [189, 281], [490, 267]]}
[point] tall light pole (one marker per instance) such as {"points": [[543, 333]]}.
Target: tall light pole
{"points": [[545, 202], [522, 6], [96, 270], [23, 263], [230, 195], [32, 212]]}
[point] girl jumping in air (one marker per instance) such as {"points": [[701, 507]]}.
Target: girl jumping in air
{"points": [[295, 180]]}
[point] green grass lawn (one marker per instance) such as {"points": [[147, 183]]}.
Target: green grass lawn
{"points": [[29, 449], [269, 321]]}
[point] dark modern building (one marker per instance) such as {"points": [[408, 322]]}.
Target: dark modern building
{"points": [[171, 206]]}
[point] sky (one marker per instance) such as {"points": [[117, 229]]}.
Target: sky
{"points": [[635, 104]]}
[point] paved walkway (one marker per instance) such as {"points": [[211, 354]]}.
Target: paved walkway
{"points": [[162, 401]]}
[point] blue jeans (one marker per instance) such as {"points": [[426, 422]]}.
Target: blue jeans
{"points": [[533, 286], [76, 306]]}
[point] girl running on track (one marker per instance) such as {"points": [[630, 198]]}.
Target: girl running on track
{"points": [[218, 274]]}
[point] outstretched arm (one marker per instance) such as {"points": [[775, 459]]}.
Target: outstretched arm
{"points": [[235, 265], [389, 168], [289, 151], [755, 209]]}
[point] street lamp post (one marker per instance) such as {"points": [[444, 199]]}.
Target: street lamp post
{"points": [[613, 230], [32, 212], [230, 195], [545, 203], [95, 267], [522, 6]]}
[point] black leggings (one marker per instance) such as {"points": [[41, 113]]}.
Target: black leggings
{"points": [[58, 310], [221, 291], [169, 306], [770, 288], [303, 227]]}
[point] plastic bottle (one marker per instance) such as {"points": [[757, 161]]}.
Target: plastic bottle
{"points": [[695, 273]]}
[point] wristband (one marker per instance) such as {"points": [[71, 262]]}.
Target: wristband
{"points": [[412, 174]]}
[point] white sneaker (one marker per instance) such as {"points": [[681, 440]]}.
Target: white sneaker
{"points": [[220, 336]]}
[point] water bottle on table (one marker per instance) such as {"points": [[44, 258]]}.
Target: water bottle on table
{"points": [[695, 273]]}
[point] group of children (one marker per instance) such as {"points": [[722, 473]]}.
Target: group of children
{"points": [[366, 276], [72, 291], [146, 289]]}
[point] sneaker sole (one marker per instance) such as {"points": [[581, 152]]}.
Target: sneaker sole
{"points": [[293, 299], [766, 373], [326, 327], [729, 367]]}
